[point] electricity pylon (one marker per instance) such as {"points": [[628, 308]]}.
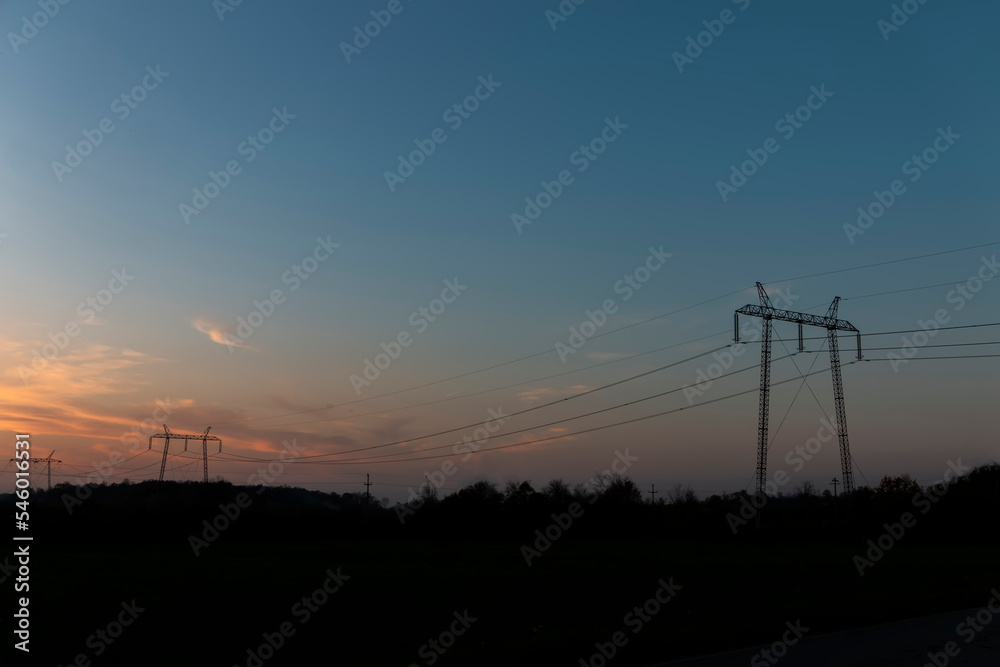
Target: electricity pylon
{"points": [[767, 312], [167, 435], [48, 460]]}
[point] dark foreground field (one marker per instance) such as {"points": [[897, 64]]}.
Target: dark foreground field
{"points": [[133, 574], [395, 598]]}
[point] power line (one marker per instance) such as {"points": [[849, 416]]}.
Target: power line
{"points": [[548, 377], [526, 410], [900, 331], [606, 333], [877, 349], [365, 460], [968, 356], [900, 291], [488, 391], [567, 435], [558, 421], [893, 261], [480, 370], [248, 459]]}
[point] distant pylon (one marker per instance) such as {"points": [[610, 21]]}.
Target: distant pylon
{"points": [[48, 461], [168, 434]]}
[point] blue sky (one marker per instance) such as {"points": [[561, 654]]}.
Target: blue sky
{"points": [[323, 176]]}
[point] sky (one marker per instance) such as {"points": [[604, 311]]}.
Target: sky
{"points": [[217, 214]]}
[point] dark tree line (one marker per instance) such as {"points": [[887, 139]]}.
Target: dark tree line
{"points": [[966, 509]]}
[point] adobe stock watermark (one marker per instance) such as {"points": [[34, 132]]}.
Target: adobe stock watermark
{"points": [[381, 18], [248, 149], [900, 14], [454, 116], [122, 106], [914, 168], [958, 297], [223, 7], [787, 125], [750, 332], [103, 638], [968, 630], [37, 21], [779, 649], [635, 620], [230, 512], [265, 308], [581, 158], [86, 312], [796, 459], [713, 29], [566, 9], [139, 435], [103, 469], [302, 611], [420, 320], [546, 537], [924, 500], [468, 446], [7, 570], [630, 283], [435, 648]]}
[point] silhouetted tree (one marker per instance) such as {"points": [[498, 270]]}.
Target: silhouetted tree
{"points": [[558, 491], [481, 492], [807, 490], [682, 495], [621, 490], [428, 493], [518, 494], [902, 486]]}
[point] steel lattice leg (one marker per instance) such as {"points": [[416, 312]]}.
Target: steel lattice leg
{"points": [[765, 395], [204, 454], [163, 464], [838, 399]]}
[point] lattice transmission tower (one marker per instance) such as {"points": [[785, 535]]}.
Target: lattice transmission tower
{"points": [[767, 312], [48, 461], [168, 435]]}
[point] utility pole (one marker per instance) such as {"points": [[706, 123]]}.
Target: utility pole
{"points": [[835, 482], [368, 495], [652, 493]]}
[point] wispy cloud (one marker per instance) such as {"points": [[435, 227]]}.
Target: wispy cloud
{"points": [[64, 396], [217, 334]]}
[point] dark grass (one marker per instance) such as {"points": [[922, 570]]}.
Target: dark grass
{"points": [[208, 610]]}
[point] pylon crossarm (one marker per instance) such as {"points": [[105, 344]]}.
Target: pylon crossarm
{"points": [[168, 434], [800, 318]]}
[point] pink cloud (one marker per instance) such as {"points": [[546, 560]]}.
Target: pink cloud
{"points": [[217, 334]]}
